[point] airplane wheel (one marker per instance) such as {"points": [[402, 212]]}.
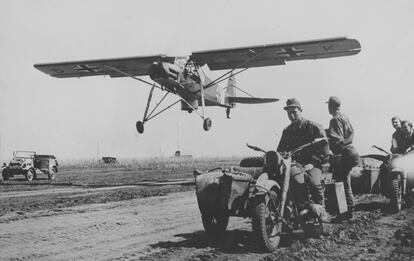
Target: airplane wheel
{"points": [[207, 124], [140, 127]]}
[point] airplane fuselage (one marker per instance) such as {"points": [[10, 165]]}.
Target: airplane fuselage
{"points": [[187, 84]]}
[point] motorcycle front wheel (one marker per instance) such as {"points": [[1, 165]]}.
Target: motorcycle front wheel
{"points": [[267, 227]]}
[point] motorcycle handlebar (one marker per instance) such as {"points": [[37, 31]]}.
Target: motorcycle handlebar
{"points": [[381, 149], [255, 148], [289, 153]]}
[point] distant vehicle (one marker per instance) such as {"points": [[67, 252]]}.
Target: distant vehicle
{"points": [[185, 76], [179, 154], [29, 164], [108, 160], [391, 175]]}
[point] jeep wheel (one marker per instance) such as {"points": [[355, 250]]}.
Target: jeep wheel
{"points": [[5, 175], [30, 175], [52, 174]]}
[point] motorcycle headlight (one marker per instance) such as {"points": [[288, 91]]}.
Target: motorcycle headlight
{"points": [[272, 162]]}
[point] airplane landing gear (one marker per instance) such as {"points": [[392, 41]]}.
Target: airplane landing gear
{"points": [[140, 127], [207, 124]]}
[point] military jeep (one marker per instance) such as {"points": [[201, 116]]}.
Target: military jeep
{"points": [[29, 164]]}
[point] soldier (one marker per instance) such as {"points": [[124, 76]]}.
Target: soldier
{"points": [[396, 136], [340, 134], [300, 132], [406, 142]]}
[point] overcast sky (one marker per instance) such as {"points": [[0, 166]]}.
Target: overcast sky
{"points": [[70, 117]]}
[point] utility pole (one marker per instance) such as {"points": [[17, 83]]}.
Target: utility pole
{"points": [[178, 136]]}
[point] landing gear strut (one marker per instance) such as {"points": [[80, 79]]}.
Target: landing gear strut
{"points": [[149, 115]]}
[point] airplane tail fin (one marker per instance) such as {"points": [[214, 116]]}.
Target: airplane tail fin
{"points": [[231, 90], [231, 98]]}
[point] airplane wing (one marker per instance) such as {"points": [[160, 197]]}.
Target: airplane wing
{"points": [[136, 66], [276, 54]]}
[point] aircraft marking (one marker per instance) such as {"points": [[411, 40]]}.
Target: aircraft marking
{"points": [[328, 47], [58, 70], [85, 68], [290, 52]]}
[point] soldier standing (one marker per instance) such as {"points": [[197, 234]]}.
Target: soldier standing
{"points": [[397, 135], [300, 132], [340, 134], [406, 142]]}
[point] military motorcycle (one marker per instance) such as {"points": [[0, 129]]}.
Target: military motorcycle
{"points": [[258, 192], [391, 175]]}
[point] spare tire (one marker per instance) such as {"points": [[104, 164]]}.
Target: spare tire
{"points": [[252, 162]]}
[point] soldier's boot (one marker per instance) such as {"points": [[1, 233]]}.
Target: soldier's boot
{"points": [[319, 199], [320, 212], [347, 216]]}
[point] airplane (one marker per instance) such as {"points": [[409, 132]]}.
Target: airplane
{"points": [[184, 76]]}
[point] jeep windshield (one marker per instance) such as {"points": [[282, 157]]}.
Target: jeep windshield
{"points": [[24, 154]]}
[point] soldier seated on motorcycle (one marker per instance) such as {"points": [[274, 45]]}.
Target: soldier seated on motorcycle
{"points": [[406, 141], [307, 164]]}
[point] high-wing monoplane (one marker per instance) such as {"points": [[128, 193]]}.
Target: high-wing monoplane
{"points": [[184, 76]]}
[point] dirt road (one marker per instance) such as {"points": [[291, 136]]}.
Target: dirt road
{"points": [[169, 228], [116, 230]]}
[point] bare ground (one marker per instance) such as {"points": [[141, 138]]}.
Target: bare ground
{"points": [[119, 224]]}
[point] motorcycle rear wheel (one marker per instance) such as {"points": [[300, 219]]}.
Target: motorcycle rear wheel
{"points": [[267, 228]]}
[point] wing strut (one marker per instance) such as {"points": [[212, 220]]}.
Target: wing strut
{"points": [[156, 106], [206, 121], [219, 79], [151, 115], [132, 76], [148, 103]]}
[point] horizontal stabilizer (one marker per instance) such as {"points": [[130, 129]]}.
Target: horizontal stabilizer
{"points": [[251, 100]]}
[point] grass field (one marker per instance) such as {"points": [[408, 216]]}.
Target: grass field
{"points": [[128, 171], [90, 173]]}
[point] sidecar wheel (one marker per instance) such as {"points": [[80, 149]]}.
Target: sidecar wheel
{"points": [[215, 224], [396, 194], [266, 227]]}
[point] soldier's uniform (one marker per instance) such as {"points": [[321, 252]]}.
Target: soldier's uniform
{"points": [[297, 134], [396, 139], [341, 134], [404, 142]]}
